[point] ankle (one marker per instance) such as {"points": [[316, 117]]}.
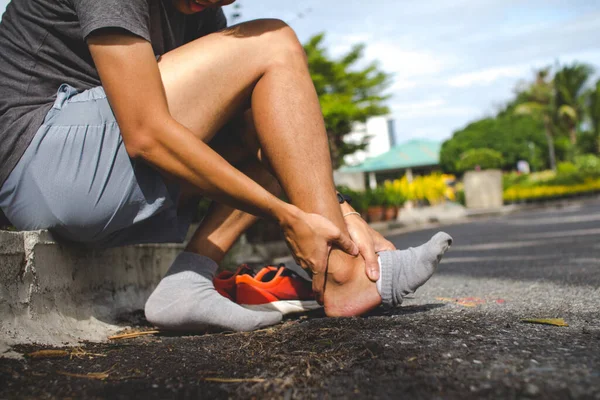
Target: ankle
{"points": [[211, 251], [343, 268], [350, 292]]}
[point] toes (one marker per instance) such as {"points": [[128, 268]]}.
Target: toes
{"points": [[244, 319], [442, 240], [261, 319]]}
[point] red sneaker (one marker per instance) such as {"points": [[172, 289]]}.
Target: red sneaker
{"points": [[225, 281], [275, 288]]}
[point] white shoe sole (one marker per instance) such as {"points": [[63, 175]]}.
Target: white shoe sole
{"points": [[285, 306]]}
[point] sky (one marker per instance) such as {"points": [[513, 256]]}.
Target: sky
{"points": [[453, 61]]}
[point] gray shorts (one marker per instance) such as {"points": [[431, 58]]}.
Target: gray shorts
{"points": [[77, 180]]}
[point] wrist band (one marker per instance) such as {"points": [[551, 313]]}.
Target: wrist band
{"points": [[352, 213]]}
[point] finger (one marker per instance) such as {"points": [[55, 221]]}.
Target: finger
{"points": [[371, 262], [344, 242], [384, 245]]}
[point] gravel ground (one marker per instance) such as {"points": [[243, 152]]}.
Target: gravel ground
{"points": [[461, 336]]}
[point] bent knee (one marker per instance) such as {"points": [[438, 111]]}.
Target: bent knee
{"points": [[278, 40]]}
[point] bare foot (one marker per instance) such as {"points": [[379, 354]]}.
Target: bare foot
{"points": [[348, 292]]}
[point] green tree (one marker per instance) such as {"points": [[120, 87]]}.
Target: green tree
{"points": [[515, 137], [592, 106], [539, 101], [569, 84], [347, 93], [480, 158]]}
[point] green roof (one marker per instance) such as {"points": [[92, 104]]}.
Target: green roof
{"points": [[414, 153]]}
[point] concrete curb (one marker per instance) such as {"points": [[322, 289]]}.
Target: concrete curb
{"points": [[56, 294]]}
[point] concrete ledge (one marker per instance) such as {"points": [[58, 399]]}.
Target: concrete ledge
{"points": [[54, 293]]}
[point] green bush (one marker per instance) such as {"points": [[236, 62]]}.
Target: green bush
{"points": [[460, 197], [566, 168], [360, 200], [563, 148], [587, 142], [376, 197], [566, 174], [483, 158], [588, 164], [514, 178]]}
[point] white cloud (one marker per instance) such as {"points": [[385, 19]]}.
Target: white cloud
{"points": [[418, 105], [487, 76], [431, 108], [409, 68], [398, 57], [406, 63], [403, 84]]}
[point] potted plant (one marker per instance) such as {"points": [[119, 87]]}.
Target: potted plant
{"points": [[395, 198], [376, 200], [360, 203]]}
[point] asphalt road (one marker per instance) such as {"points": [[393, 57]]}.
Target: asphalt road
{"points": [[461, 336]]}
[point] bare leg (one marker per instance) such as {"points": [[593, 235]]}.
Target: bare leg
{"points": [[223, 225], [210, 80]]}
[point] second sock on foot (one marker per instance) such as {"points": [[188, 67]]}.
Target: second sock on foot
{"points": [[403, 271], [186, 300]]}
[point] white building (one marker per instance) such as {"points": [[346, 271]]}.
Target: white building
{"points": [[382, 138]]}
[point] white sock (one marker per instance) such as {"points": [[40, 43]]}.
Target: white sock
{"points": [[403, 271]]}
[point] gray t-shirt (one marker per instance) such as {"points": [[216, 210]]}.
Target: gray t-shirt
{"points": [[42, 45]]}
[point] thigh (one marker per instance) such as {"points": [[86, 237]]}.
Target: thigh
{"points": [[236, 142], [76, 177], [209, 81]]}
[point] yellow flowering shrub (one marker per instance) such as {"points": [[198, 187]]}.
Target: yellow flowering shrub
{"points": [[431, 188], [519, 193]]}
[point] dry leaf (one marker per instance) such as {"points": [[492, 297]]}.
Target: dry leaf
{"points": [[48, 354], [463, 301], [546, 321]]}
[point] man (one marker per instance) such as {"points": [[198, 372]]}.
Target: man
{"points": [[152, 96]]}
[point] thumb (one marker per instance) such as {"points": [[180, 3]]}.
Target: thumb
{"points": [[371, 263], [344, 242]]}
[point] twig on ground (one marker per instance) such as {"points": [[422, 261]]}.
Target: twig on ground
{"points": [[80, 353], [234, 380], [90, 375], [48, 354], [132, 335]]}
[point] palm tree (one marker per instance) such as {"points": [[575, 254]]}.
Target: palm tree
{"points": [[593, 110], [539, 100], [569, 84]]}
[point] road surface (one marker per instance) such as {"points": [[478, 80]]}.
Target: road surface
{"points": [[461, 336]]}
